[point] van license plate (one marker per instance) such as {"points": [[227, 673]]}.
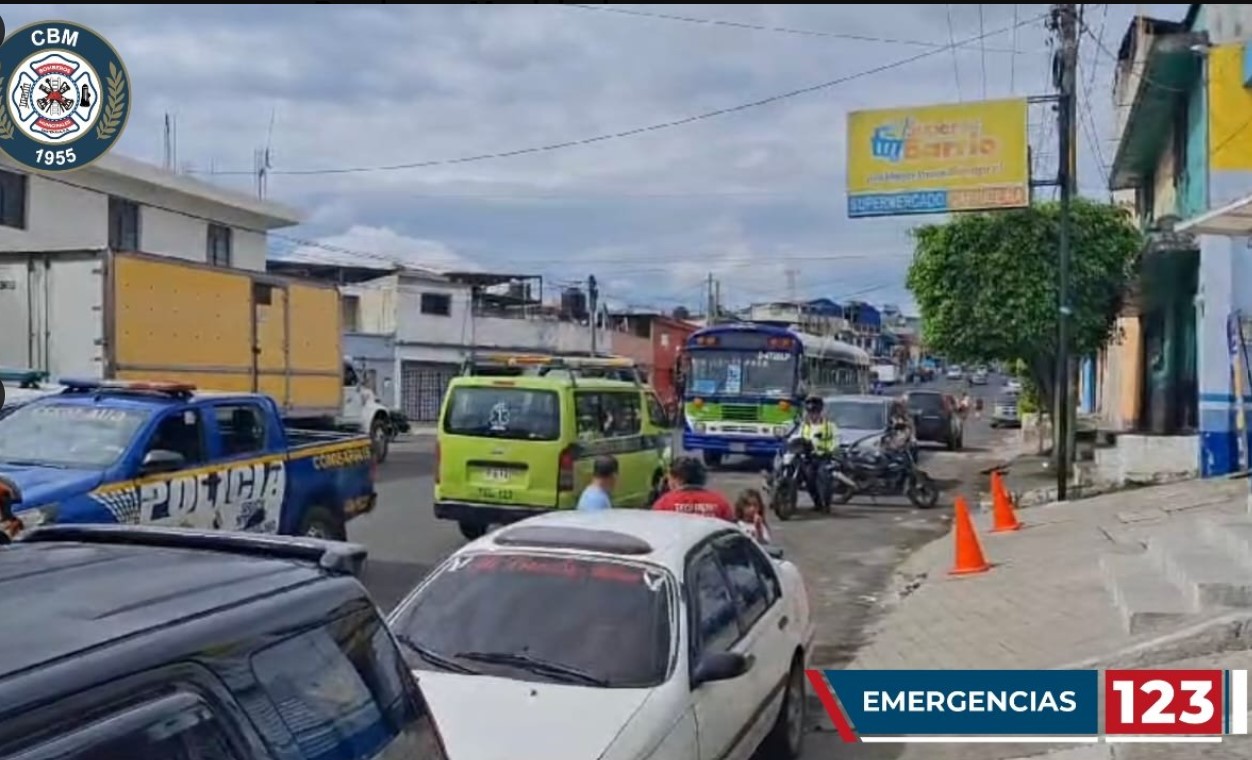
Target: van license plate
{"points": [[738, 448], [498, 474]]}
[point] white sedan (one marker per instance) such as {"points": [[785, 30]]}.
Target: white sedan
{"points": [[618, 635]]}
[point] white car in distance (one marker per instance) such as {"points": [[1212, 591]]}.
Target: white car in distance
{"points": [[618, 635]]}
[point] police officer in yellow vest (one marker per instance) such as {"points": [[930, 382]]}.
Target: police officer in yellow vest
{"points": [[817, 428]]}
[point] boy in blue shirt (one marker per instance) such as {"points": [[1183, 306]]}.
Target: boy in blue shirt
{"points": [[596, 496]]}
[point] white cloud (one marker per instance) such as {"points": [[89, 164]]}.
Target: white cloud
{"points": [[748, 195], [380, 247]]}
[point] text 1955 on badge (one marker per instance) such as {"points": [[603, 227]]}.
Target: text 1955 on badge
{"points": [[66, 96]]}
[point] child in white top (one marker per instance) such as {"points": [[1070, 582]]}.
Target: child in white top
{"points": [[750, 513]]}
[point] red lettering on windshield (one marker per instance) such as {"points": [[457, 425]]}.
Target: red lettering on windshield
{"points": [[558, 568]]}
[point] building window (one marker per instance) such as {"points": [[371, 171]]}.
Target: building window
{"points": [[350, 313], [123, 224], [13, 200], [438, 304], [218, 251]]}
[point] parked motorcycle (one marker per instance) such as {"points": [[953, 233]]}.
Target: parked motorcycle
{"points": [[888, 471], [789, 474]]}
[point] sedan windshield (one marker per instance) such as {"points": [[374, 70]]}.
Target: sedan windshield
{"points": [[735, 373], [858, 415], [65, 435], [537, 617]]}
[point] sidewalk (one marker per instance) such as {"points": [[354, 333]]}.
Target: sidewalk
{"points": [[1046, 604]]}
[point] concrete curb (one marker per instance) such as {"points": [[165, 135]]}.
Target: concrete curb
{"points": [[1231, 632], [1039, 497]]}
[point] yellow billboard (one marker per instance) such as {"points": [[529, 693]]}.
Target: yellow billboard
{"points": [[935, 159]]}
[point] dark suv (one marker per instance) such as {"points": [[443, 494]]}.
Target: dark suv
{"points": [[125, 643], [936, 419]]}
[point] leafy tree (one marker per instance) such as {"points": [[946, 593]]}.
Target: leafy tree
{"points": [[987, 284]]}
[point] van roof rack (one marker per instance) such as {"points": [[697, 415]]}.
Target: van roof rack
{"points": [[180, 391], [332, 556], [24, 377], [513, 364]]}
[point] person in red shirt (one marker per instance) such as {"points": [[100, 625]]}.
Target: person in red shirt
{"points": [[687, 492]]}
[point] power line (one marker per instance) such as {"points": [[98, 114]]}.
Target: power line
{"points": [[956, 66], [1013, 59], [983, 50], [762, 28], [1113, 56], [640, 130]]}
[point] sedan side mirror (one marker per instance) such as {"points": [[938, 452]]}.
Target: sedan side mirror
{"points": [[720, 666], [162, 460]]}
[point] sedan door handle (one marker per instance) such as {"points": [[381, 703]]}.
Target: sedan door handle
{"points": [[782, 622]]}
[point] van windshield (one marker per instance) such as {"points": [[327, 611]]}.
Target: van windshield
{"points": [[499, 412]]}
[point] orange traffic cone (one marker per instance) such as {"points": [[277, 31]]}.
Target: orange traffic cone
{"points": [[969, 556], [1005, 519]]}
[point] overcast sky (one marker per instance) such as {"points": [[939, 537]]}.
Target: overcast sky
{"points": [[751, 195]]}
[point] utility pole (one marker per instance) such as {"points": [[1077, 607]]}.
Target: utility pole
{"points": [[1065, 21], [717, 301], [710, 304], [593, 308]]}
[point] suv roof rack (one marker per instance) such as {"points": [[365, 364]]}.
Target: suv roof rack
{"points": [[24, 377], [607, 367], [335, 557], [180, 391]]}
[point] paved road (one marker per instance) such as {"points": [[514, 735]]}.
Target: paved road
{"points": [[847, 558]]}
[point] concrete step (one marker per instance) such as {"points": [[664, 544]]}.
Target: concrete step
{"points": [[1145, 598], [1208, 574], [1232, 534]]}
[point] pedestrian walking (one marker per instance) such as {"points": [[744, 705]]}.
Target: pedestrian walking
{"points": [[598, 495], [687, 492]]}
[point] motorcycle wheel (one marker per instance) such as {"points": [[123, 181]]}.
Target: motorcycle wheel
{"points": [[841, 493], [783, 500], [922, 491]]}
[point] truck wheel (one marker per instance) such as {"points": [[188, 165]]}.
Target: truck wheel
{"points": [[320, 522], [380, 438], [472, 530], [712, 459]]}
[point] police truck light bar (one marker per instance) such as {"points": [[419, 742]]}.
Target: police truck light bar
{"points": [[133, 386]]}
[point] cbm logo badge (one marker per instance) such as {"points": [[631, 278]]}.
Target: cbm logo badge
{"points": [[66, 96]]}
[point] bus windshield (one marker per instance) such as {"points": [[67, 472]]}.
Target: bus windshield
{"points": [[743, 373]]}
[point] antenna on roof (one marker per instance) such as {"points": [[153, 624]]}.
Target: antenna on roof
{"points": [[261, 160]]}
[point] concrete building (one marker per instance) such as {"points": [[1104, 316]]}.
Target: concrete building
{"points": [[866, 326], [128, 205], [654, 341], [1184, 128], [820, 316], [426, 324]]}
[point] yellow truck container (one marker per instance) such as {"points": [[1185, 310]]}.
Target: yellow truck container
{"points": [[133, 316]]}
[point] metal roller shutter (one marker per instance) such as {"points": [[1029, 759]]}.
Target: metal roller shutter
{"points": [[422, 386]]}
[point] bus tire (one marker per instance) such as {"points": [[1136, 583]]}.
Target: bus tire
{"points": [[712, 459]]}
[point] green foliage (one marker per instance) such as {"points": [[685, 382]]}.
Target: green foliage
{"points": [[987, 283]]}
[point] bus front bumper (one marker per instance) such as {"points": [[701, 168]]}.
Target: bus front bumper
{"points": [[753, 447]]}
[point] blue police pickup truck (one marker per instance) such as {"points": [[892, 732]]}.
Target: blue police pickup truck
{"points": [[162, 454]]}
